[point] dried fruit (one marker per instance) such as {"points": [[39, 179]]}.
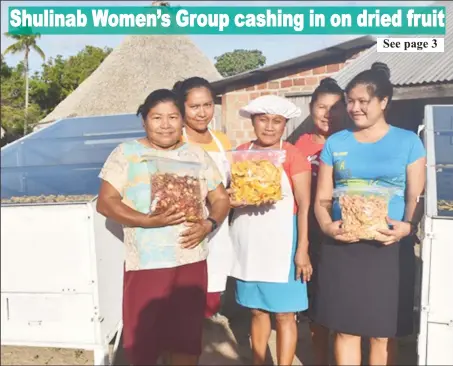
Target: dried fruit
{"points": [[256, 181], [48, 199], [444, 205], [363, 216], [183, 192]]}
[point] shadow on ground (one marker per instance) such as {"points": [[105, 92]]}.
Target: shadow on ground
{"points": [[239, 321], [226, 342]]}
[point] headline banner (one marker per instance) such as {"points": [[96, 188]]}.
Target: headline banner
{"points": [[414, 20]]}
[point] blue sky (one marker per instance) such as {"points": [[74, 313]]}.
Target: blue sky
{"points": [[276, 48]]}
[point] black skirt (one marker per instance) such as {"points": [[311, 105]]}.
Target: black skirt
{"points": [[365, 289]]}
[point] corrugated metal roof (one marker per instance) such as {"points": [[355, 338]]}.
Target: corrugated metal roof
{"points": [[409, 68], [312, 59]]}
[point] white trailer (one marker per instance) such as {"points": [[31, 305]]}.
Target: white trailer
{"points": [[435, 340], [61, 262]]}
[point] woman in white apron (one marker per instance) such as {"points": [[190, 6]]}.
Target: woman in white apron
{"points": [[197, 95], [271, 261]]}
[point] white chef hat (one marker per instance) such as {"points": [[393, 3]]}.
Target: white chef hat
{"points": [[270, 104]]}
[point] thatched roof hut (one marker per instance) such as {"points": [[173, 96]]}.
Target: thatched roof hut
{"points": [[139, 65]]}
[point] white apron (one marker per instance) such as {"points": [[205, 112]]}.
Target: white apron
{"points": [[219, 242], [263, 239]]}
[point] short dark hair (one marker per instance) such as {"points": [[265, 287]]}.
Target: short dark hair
{"points": [[182, 88], [377, 80], [156, 97], [327, 86]]}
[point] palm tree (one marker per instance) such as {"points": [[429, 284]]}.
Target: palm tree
{"points": [[25, 43]]}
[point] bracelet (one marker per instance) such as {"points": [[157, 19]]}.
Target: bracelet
{"points": [[213, 222], [414, 227]]}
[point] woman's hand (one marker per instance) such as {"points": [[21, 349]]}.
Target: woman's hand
{"points": [[233, 203], [335, 231], [399, 230], [303, 265], [195, 234], [172, 216]]}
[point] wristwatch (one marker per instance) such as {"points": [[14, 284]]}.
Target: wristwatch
{"points": [[213, 222]]}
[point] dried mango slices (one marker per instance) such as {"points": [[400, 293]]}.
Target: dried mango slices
{"points": [[256, 182], [445, 205]]}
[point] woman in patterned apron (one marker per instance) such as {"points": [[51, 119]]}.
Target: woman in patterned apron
{"points": [[165, 276], [327, 109], [198, 98], [271, 261]]}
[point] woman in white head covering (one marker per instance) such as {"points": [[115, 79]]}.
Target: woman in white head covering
{"points": [[271, 261]]}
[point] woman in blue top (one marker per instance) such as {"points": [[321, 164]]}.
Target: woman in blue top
{"points": [[365, 288]]}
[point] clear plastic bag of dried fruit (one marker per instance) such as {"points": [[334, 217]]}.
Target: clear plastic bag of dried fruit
{"points": [[256, 175], [176, 183], [364, 210]]}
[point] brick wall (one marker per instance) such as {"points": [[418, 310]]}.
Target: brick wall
{"points": [[240, 130]]}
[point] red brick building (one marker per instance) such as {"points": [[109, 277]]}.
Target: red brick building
{"points": [[295, 79]]}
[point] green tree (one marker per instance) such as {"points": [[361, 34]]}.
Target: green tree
{"points": [[60, 77], [25, 43], [238, 61], [12, 103], [82, 65], [5, 70], [47, 88]]}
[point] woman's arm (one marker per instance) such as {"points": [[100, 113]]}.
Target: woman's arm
{"points": [[323, 205], [302, 188], [323, 198], [114, 176], [219, 203], [415, 185], [110, 205]]}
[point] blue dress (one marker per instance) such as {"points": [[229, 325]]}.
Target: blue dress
{"points": [[275, 297]]}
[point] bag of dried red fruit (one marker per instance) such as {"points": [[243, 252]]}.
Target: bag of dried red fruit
{"points": [[176, 183]]}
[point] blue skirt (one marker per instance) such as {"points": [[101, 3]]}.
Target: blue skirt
{"points": [[275, 297]]}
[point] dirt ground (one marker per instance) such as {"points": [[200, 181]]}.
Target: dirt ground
{"points": [[226, 342]]}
